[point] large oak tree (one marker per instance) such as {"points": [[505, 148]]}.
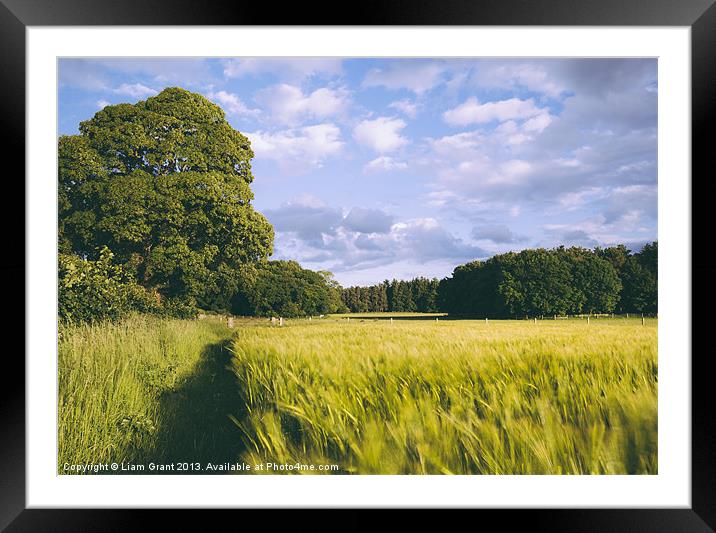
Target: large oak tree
{"points": [[165, 185]]}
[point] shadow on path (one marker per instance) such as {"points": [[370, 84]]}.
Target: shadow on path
{"points": [[196, 425]]}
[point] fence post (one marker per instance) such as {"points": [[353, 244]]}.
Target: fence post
{"points": [[642, 319], [280, 321], [230, 322], [486, 321], [535, 320], [587, 319], [391, 320]]}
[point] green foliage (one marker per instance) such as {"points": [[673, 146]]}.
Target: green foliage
{"points": [[416, 295], [553, 282], [98, 290], [283, 288], [639, 274], [165, 184]]}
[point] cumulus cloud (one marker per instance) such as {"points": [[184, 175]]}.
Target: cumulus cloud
{"points": [[381, 134], [473, 112], [578, 237], [428, 240], [307, 217], [497, 233], [82, 73], [101, 104], [309, 145], [630, 205], [408, 107], [316, 233], [135, 90], [603, 138], [231, 104], [517, 75], [418, 78], [384, 163], [368, 220], [288, 104]]}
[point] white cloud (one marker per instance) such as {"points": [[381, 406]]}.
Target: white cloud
{"points": [[309, 145], [508, 75], [440, 198], [322, 237], [538, 123], [135, 90], [571, 201], [288, 104], [497, 233], [515, 168], [381, 134], [367, 220], [408, 107], [231, 104], [85, 74], [384, 163], [473, 112], [101, 104], [406, 75], [307, 217], [460, 145]]}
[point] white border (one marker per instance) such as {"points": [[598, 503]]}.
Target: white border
{"points": [[671, 487]]}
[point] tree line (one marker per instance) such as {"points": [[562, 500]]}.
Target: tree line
{"points": [[155, 216], [416, 295], [534, 282], [560, 281]]}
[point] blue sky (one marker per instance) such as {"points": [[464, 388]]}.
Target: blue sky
{"points": [[394, 168]]}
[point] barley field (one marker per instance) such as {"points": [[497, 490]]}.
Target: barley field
{"points": [[411, 396], [452, 397]]}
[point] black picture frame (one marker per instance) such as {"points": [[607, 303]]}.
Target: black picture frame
{"points": [[699, 15]]}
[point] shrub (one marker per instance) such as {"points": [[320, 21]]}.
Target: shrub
{"points": [[90, 291]]}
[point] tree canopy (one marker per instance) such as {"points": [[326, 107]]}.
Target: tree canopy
{"points": [[554, 282], [416, 295], [165, 185], [284, 289]]}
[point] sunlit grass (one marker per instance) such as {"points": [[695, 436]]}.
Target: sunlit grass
{"points": [[112, 378], [373, 396], [508, 397]]}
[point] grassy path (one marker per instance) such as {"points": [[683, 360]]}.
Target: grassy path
{"points": [[195, 417], [146, 390]]}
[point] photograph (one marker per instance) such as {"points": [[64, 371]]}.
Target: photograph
{"points": [[357, 265]]}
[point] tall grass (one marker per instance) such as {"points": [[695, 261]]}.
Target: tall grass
{"points": [[461, 397], [117, 383], [412, 396]]}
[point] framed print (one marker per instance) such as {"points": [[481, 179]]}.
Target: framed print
{"points": [[405, 260]]}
